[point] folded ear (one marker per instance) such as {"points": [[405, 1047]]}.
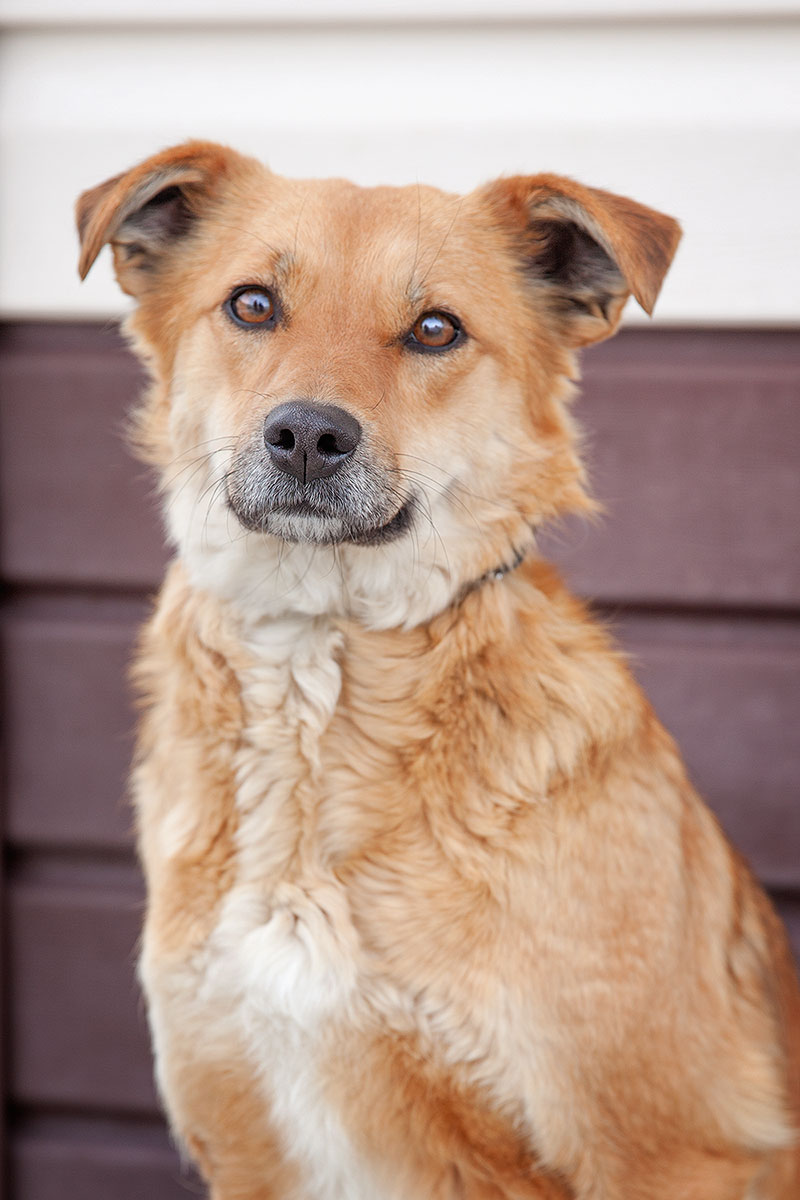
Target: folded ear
{"points": [[589, 249], [146, 210]]}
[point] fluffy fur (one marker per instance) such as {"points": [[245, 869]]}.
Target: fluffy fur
{"points": [[433, 909]]}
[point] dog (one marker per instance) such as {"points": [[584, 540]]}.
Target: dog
{"points": [[433, 910]]}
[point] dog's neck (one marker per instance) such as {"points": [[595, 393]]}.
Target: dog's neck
{"points": [[376, 588], [495, 574]]}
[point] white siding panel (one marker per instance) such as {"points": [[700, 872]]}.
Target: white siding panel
{"points": [[260, 12], [701, 120]]}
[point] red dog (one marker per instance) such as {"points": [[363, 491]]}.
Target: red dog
{"points": [[434, 913]]}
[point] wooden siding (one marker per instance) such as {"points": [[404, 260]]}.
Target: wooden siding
{"points": [[693, 439]]}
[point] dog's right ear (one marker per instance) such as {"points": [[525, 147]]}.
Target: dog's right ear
{"points": [[588, 248], [145, 211]]}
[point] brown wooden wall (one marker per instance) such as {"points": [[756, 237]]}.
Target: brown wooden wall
{"points": [[694, 439]]}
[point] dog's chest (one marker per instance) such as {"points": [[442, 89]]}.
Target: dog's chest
{"points": [[285, 918], [287, 975], [285, 960]]}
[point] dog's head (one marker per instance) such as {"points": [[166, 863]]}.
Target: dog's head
{"points": [[359, 394]]}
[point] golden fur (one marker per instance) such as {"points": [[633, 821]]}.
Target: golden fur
{"points": [[433, 909]]}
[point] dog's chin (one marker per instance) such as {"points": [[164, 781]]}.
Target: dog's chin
{"points": [[303, 524]]}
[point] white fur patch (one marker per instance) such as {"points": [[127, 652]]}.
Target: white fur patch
{"points": [[285, 960], [293, 957], [284, 975]]}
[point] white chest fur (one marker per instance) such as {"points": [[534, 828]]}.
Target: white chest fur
{"points": [[285, 961], [285, 920]]}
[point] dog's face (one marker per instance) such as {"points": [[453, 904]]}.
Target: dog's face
{"points": [[379, 372]]}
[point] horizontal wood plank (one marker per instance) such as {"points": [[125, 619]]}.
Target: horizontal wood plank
{"points": [[93, 1158], [696, 468], [692, 442], [788, 908], [69, 723], [728, 689], [77, 1023], [75, 1014], [74, 506], [731, 699]]}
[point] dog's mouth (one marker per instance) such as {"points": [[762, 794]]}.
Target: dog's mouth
{"points": [[357, 506], [379, 534], [306, 523]]}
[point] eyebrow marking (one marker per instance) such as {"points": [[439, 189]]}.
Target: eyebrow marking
{"points": [[284, 266]]}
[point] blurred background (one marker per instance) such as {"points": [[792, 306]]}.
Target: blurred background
{"points": [[693, 432]]}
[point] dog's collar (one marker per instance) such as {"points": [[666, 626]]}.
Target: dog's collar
{"points": [[495, 575]]}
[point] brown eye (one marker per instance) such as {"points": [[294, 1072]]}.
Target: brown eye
{"points": [[252, 306], [434, 331]]}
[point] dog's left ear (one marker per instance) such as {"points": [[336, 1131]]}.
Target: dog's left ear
{"points": [[589, 249], [146, 211]]}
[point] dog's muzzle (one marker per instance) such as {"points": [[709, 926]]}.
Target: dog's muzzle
{"points": [[312, 477]]}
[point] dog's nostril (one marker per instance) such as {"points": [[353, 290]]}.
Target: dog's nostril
{"points": [[285, 440], [327, 444]]}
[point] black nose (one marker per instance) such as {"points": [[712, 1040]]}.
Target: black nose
{"points": [[310, 441]]}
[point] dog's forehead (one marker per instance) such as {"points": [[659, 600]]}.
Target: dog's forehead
{"points": [[335, 208], [341, 226]]}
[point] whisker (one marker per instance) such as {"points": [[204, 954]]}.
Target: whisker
{"points": [[409, 286], [172, 479], [196, 446], [218, 487], [242, 229], [211, 487], [380, 402], [197, 469], [446, 490], [426, 513], [253, 392], [441, 244]]}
